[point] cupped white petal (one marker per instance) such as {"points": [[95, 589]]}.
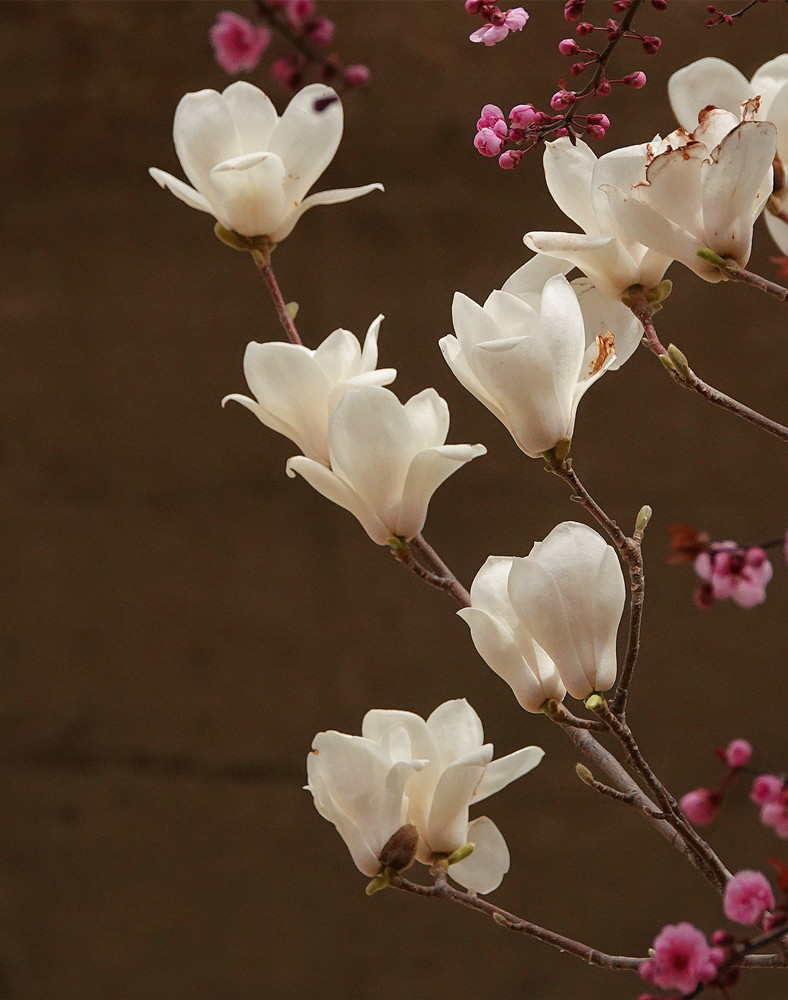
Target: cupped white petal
{"points": [[485, 868], [704, 82], [456, 729], [333, 197], [472, 323], [603, 315], [456, 360], [204, 134], [335, 489], [307, 136], [502, 772], [714, 124], [673, 186], [186, 194], [609, 598], [253, 114], [428, 414], [369, 352], [363, 855], [568, 168], [447, 826], [622, 168], [603, 259], [768, 81], [378, 723], [339, 356], [426, 472], [511, 314], [249, 194], [530, 279], [735, 183]]}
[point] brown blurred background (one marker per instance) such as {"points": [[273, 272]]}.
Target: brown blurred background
{"points": [[180, 618]]}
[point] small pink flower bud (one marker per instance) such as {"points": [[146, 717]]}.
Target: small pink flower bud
{"points": [[321, 31], [700, 806], [491, 115], [299, 11], [561, 132], [568, 47], [651, 45], [612, 26], [602, 120], [523, 115], [573, 9], [516, 18], [487, 142], [603, 89], [577, 68], [473, 6], [747, 897], [722, 938], [775, 815], [659, 4], [621, 5], [510, 159], [766, 788], [357, 75], [287, 71], [738, 753], [562, 99], [717, 956], [635, 80], [595, 132], [584, 28]]}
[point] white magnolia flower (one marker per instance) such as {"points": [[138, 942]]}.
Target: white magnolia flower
{"points": [[460, 772], [714, 81], [504, 643], [297, 389], [607, 254], [360, 788], [530, 368], [569, 592], [603, 316], [386, 459], [701, 190], [248, 167]]}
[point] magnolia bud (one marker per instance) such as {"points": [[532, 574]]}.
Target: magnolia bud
{"points": [[400, 849]]}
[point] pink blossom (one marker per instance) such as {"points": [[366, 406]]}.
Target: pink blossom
{"points": [[635, 80], [473, 6], [682, 959], [775, 815], [735, 573], [766, 788], [562, 99], [516, 18], [321, 31], [700, 806], [299, 11], [568, 47], [573, 9], [523, 115], [489, 34], [487, 142], [237, 43], [747, 897], [738, 753], [491, 114], [357, 75]]}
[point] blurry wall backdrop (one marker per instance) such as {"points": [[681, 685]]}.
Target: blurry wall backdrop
{"points": [[180, 618]]}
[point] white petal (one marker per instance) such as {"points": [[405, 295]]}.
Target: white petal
{"points": [[428, 414], [472, 324], [186, 194], [768, 81], [502, 772], [333, 488], [715, 124], [369, 352], [609, 599], [370, 447], [250, 197], [568, 169], [364, 857], [321, 198], [707, 81], [447, 826], [673, 186], [778, 230], [456, 729], [456, 360], [483, 870], [204, 134], [740, 167], [306, 138], [379, 722], [253, 114], [427, 471], [512, 316], [603, 315], [603, 259], [531, 277], [622, 168], [339, 356]]}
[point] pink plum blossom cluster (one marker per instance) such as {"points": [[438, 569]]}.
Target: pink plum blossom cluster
{"points": [[239, 43], [719, 17], [498, 23], [769, 791], [526, 126], [683, 958]]}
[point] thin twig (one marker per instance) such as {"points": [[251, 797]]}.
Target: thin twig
{"points": [[263, 262], [733, 272], [680, 372], [436, 573], [442, 890]]}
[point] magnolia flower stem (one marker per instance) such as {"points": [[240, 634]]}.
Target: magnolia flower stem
{"points": [[263, 262], [442, 890], [436, 573], [680, 372], [560, 714], [735, 273], [669, 805], [623, 781]]}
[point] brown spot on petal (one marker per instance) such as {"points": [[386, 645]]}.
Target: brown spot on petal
{"points": [[606, 344]]}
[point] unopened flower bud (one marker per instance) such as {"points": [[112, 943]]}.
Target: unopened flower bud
{"points": [[321, 31], [562, 99], [473, 6], [766, 788], [510, 159], [651, 45], [568, 47], [573, 9], [603, 88], [700, 806], [722, 938], [595, 132], [400, 849], [584, 28], [659, 4], [577, 68], [487, 142], [621, 5], [357, 75], [738, 753], [523, 115], [635, 80]]}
